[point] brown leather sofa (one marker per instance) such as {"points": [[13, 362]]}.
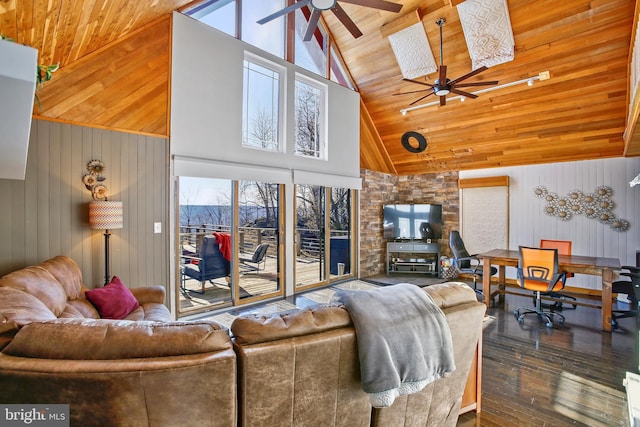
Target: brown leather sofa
{"points": [[298, 368], [303, 365], [142, 371]]}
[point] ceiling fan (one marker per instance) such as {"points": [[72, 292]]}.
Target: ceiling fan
{"points": [[444, 86], [318, 6]]}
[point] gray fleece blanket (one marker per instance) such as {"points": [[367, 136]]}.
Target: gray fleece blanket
{"points": [[404, 341]]}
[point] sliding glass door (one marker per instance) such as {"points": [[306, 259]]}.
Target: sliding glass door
{"points": [[258, 236], [340, 233], [228, 243], [324, 245], [205, 215], [310, 238]]}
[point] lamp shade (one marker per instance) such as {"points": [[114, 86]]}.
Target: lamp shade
{"points": [[105, 214]]}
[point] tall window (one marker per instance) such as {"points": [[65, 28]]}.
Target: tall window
{"points": [[220, 14], [311, 55], [269, 36], [261, 105], [338, 72], [310, 118]]}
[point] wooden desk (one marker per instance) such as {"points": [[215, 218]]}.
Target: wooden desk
{"points": [[571, 263]]}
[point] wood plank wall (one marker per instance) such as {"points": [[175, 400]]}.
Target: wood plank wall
{"points": [[124, 86], [528, 222], [47, 213]]}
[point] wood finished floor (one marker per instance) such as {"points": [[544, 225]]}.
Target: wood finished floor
{"points": [[569, 375]]}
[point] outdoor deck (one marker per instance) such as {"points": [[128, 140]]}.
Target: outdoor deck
{"points": [[217, 293]]}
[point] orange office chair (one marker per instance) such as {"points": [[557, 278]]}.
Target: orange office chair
{"points": [[538, 271], [564, 248]]}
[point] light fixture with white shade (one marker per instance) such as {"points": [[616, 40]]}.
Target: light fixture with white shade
{"points": [[106, 215], [323, 4]]}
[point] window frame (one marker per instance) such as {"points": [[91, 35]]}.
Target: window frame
{"points": [[281, 104], [323, 140]]}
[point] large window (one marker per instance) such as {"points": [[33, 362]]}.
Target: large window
{"points": [[269, 36], [311, 55], [324, 235], [204, 276], [258, 235], [310, 137], [220, 14], [338, 72], [229, 243], [262, 104]]}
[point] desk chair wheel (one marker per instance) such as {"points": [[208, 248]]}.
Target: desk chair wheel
{"points": [[556, 306]]}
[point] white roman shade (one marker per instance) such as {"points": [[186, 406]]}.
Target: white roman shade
{"points": [[326, 180], [202, 168]]}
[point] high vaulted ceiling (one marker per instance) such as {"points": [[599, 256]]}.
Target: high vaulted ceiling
{"points": [[579, 113]]}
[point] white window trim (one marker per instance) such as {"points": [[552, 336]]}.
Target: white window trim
{"points": [[324, 116], [282, 93]]}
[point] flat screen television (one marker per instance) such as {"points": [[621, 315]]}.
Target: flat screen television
{"points": [[412, 222]]}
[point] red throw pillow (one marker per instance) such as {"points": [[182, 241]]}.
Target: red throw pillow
{"points": [[114, 300]]}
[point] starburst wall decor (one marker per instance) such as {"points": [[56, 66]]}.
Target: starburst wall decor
{"points": [[597, 206]]}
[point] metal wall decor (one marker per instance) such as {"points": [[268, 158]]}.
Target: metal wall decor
{"points": [[421, 140], [93, 180], [597, 205]]}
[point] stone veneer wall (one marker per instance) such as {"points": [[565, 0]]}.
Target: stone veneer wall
{"points": [[380, 188]]}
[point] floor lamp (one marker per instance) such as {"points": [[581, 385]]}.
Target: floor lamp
{"points": [[105, 215]]}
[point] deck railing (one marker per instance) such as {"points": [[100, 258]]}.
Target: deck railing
{"points": [[308, 242]]}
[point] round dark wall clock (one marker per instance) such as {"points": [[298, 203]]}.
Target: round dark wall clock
{"points": [[411, 147]]}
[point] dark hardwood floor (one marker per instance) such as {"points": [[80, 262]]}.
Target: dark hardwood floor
{"points": [[569, 375]]}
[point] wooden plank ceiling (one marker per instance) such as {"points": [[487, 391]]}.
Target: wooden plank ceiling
{"points": [[579, 113]]}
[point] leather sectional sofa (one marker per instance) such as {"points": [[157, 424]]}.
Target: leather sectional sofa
{"points": [[296, 368]]}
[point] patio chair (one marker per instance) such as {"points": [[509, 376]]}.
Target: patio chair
{"points": [[258, 259], [206, 267]]}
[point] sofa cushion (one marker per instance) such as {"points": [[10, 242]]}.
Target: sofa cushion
{"points": [[22, 308], [41, 284], [82, 306], [67, 273], [151, 312], [257, 328], [450, 294], [89, 339], [114, 300]]}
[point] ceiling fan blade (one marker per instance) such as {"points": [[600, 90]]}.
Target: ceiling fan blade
{"points": [[346, 21], [284, 11], [442, 76], [313, 24], [443, 101], [420, 83], [376, 4], [466, 76], [420, 99], [493, 82], [413, 91], [463, 93]]}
